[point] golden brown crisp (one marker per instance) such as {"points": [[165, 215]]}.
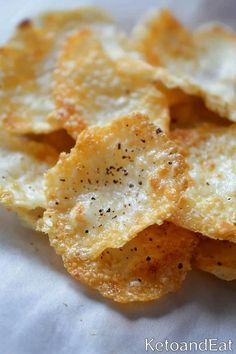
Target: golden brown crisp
{"points": [[65, 22], [27, 63], [162, 39], [26, 82], [199, 63], [92, 87], [22, 167], [208, 205], [118, 180], [149, 266], [216, 257]]}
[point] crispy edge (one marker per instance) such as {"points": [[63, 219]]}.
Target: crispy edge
{"points": [[90, 136], [70, 111], [38, 151], [216, 257], [183, 218], [146, 268]]}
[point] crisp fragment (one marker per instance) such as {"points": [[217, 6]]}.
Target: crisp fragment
{"points": [[92, 88], [161, 38], [26, 97], [200, 63], [208, 205], [22, 167], [192, 114], [65, 23], [216, 257], [118, 180], [149, 266], [61, 22], [27, 64]]}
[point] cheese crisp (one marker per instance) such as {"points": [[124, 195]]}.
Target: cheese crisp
{"points": [[149, 266], [22, 167], [209, 204], [216, 257], [92, 87], [200, 64], [122, 149], [27, 64], [26, 82], [65, 22], [118, 180]]}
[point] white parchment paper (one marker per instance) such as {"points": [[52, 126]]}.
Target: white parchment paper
{"points": [[43, 310]]}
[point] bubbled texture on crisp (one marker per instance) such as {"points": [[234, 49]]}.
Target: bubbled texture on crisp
{"points": [[27, 64], [118, 180], [209, 204], [149, 266], [22, 167], [92, 88], [200, 63]]}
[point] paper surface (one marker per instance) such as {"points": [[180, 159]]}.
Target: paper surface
{"points": [[44, 311]]}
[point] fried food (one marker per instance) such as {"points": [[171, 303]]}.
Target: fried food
{"points": [[199, 63], [66, 22], [26, 97], [216, 257], [208, 205], [117, 148], [149, 266], [27, 65], [118, 180], [92, 88], [22, 167], [161, 38]]}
